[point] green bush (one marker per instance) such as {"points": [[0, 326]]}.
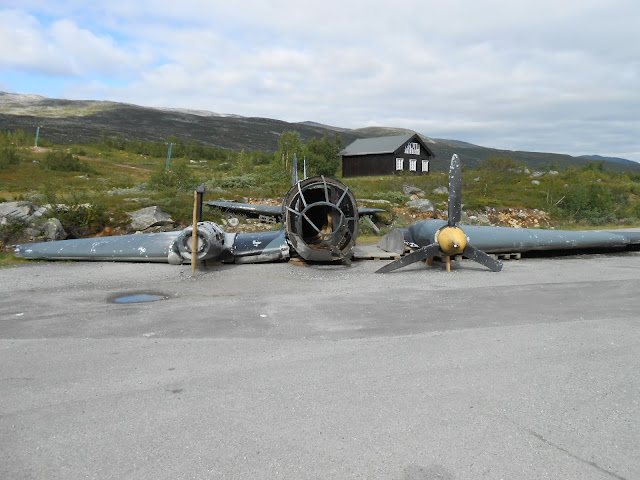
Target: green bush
{"points": [[10, 232], [78, 150], [62, 161], [178, 178], [83, 220], [593, 203], [241, 181], [393, 197], [8, 155], [501, 164]]}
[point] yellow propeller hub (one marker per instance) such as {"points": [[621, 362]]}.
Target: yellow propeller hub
{"points": [[452, 240]]}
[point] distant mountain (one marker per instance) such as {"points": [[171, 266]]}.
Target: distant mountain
{"points": [[80, 121], [600, 158]]}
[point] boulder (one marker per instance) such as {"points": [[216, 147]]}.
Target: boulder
{"points": [[411, 190], [16, 211], [32, 233], [421, 204], [53, 230], [483, 219], [149, 217], [441, 191]]}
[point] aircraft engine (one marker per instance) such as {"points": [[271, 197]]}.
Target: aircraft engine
{"points": [[210, 243], [321, 219]]}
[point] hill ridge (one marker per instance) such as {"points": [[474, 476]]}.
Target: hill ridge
{"points": [[80, 121]]}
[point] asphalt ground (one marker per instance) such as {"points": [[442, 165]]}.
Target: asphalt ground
{"points": [[285, 371]]}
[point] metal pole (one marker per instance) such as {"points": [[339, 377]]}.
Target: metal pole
{"points": [[169, 157], [194, 234]]}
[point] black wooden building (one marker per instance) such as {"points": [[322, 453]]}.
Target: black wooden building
{"points": [[386, 156]]}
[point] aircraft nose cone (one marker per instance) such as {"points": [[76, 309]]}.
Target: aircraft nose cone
{"points": [[452, 240]]}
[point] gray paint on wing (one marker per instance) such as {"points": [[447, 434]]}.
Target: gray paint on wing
{"points": [[148, 247], [507, 239]]}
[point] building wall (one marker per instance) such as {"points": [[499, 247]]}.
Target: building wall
{"points": [[380, 164], [367, 165]]}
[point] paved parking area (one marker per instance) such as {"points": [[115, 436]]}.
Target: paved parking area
{"points": [[282, 371]]}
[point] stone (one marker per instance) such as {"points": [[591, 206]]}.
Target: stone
{"points": [[16, 211], [149, 217], [535, 182], [483, 219], [441, 191], [53, 230], [411, 190], [32, 233], [421, 204]]}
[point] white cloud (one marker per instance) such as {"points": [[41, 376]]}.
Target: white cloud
{"points": [[542, 75]]}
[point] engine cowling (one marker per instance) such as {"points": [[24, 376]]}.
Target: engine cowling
{"points": [[321, 219], [210, 244]]}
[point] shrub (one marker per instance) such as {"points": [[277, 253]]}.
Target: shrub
{"points": [[593, 203], [10, 232], [65, 162], [178, 178], [393, 197], [241, 181], [83, 220], [8, 155], [502, 164]]}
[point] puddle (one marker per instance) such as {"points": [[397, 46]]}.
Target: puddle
{"points": [[138, 298]]}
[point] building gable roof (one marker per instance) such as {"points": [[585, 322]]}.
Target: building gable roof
{"points": [[389, 144]]}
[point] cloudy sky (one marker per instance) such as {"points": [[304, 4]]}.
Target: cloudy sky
{"points": [[539, 75]]}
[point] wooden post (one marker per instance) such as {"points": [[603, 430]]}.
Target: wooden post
{"points": [[194, 234]]}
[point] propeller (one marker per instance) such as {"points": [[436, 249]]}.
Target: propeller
{"points": [[450, 239]]}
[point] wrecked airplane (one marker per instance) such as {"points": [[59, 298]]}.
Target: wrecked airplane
{"points": [[320, 218], [320, 224], [445, 238]]}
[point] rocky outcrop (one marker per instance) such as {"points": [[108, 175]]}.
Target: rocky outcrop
{"points": [[28, 222]]}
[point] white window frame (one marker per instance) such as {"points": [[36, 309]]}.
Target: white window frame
{"points": [[413, 165], [399, 164], [425, 163]]}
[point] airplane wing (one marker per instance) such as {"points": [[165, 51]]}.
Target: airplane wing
{"points": [[250, 209], [364, 212], [320, 224]]}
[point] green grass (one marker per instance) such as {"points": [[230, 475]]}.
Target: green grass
{"points": [[119, 181], [8, 260]]}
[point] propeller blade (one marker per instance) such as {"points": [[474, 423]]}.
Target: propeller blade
{"points": [[455, 191], [482, 258], [420, 254]]}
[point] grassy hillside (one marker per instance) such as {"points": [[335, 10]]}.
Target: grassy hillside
{"points": [[80, 122], [103, 180]]}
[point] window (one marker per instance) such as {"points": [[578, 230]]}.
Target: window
{"points": [[425, 165], [412, 148], [399, 163], [413, 163]]}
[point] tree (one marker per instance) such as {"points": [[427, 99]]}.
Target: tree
{"points": [[322, 155], [288, 145], [244, 163]]}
